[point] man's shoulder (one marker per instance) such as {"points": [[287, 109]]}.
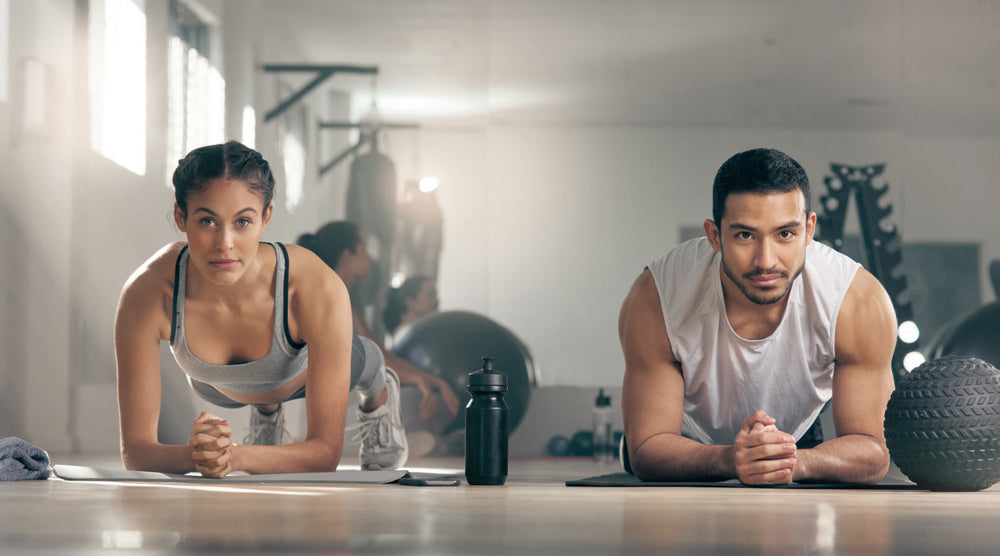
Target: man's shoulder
{"points": [[826, 266], [685, 254], [685, 278]]}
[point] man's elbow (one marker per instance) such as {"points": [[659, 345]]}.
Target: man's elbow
{"points": [[880, 466], [647, 467], [875, 467]]}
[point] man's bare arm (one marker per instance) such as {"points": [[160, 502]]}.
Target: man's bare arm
{"points": [[862, 384]]}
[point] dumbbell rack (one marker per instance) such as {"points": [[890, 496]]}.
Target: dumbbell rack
{"points": [[881, 244]]}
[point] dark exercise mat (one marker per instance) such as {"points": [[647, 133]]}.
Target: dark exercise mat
{"points": [[623, 479], [351, 476]]}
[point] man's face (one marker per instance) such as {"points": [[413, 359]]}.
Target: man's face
{"points": [[763, 239]]}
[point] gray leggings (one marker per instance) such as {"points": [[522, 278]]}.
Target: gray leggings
{"points": [[367, 376]]}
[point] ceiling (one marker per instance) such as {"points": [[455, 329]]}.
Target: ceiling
{"points": [[919, 66]]}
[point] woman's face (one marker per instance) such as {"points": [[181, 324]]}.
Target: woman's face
{"points": [[355, 265], [223, 226]]}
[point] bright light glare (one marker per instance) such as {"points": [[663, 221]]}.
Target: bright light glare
{"points": [[913, 360], [397, 279], [429, 183], [295, 170], [249, 126], [119, 99], [909, 332], [121, 539]]}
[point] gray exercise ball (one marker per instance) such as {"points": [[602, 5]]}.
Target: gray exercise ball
{"points": [[451, 344]]}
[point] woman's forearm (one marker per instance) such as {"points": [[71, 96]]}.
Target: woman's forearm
{"points": [[163, 458], [310, 456]]}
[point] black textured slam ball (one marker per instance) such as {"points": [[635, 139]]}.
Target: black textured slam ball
{"points": [[942, 424]]}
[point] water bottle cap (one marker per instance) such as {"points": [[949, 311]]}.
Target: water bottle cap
{"points": [[602, 400], [487, 379]]}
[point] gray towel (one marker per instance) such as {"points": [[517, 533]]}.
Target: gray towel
{"points": [[21, 461]]}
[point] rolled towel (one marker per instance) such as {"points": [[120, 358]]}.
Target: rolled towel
{"points": [[21, 461]]}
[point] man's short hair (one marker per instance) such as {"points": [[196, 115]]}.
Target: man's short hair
{"points": [[757, 171]]}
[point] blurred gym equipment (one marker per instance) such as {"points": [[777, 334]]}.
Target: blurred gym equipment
{"points": [[451, 344]]}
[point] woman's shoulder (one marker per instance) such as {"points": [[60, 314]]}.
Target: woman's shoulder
{"points": [[303, 263], [157, 271], [309, 274], [147, 295]]}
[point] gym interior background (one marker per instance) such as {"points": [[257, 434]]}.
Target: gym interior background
{"points": [[574, 142]]}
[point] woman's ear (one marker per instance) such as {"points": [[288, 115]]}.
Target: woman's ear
{"points": [[180, 219], [267, 215]]}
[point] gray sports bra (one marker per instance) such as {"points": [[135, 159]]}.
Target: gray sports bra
{"points": [[286, 359]]}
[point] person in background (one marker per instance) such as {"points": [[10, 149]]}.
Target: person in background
{"points": [[416, 297], [250, 323], [341, 245]]}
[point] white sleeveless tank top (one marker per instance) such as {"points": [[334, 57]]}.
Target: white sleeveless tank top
{"points": [[727, 378]]}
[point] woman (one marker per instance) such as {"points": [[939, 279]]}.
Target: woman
{"points": [[250, 323], [341, 246], [416, 297]]}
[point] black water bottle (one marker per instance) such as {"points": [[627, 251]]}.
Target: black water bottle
{"points": [[486, 427]]}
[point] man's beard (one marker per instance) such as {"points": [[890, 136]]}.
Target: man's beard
{"points": [[758, 299]]}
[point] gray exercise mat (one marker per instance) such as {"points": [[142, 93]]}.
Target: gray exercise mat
{"points": [[623, 479], [83, 473]]}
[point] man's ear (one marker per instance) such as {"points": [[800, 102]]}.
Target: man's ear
{"points": [[180, 219], [712, 233], [810, 227]]}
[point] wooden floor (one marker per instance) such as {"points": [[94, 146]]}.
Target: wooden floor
{"points": [[533, 514]]}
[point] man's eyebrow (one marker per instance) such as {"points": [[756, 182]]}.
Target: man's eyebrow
{"points": [[785, 226]]}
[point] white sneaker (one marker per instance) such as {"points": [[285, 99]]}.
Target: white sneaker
{"points": [[266, 430], [383, 439]]}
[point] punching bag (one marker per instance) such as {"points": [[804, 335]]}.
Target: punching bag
{"points": [[371, 204]]}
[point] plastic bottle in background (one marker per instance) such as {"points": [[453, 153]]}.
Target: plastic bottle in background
{"points": [[603, 437], [486, 427]]}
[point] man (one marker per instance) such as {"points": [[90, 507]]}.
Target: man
{"points": [[734, 343]]}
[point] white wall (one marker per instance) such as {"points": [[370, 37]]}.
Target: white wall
{"points": [[577, 211], [546, 226]]}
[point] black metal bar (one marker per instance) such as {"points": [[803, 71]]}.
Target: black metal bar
{"points": [[371, 70], [339, 125], [354, 125], [346, 153], [324, 72], [285, 105]]}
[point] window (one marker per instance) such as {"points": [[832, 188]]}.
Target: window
{"points": [[196, 90], [4, 40], [118, 81]]}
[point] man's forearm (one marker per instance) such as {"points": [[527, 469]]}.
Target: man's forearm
{"points": [[852, 458], [672, 457]]}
